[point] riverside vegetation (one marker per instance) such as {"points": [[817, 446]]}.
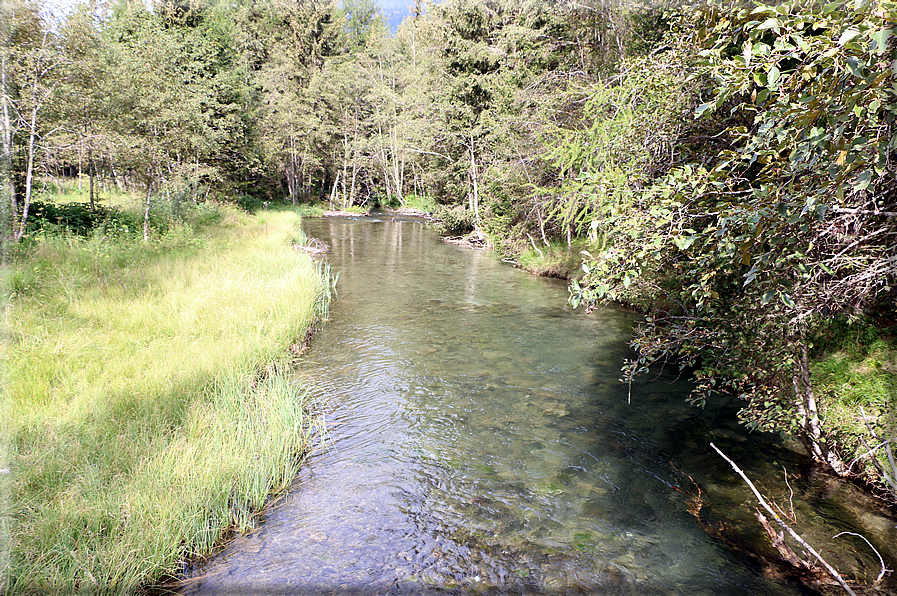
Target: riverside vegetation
{"points": [[728, 170], [148, 411]]}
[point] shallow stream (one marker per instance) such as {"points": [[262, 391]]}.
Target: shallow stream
{"points": [[480, 442]]}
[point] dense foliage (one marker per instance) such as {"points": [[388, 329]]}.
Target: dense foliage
{"points": [[742, 252]]}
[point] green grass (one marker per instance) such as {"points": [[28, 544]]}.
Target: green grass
{"points": [[856, 367], [148, 409], [67, 190], [311, 209], [424, 203], [555, 260]]}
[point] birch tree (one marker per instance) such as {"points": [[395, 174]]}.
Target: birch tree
{"points": [[33, 66]]}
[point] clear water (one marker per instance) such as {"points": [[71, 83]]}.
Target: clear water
{"points": [[480, 442]]}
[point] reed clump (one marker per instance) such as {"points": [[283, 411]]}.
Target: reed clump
{"points": [[147, 404]]}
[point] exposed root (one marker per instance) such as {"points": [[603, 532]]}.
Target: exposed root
{"points": [[344, 214], [476, 240], [313, 247]]}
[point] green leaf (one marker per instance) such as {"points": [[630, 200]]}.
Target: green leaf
{"points": [[787, 300], [863, 180], [848, 35], [683, 242], [881, 37], [773, 75], [703, 108], [773, 24]]}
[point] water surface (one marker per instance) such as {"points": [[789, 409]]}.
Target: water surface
{"points": [[480, 442]]}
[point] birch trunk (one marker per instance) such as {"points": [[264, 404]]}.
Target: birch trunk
{"points": [[29, 173], [6, 169], [92, 173], [146, 212], [808, 413], [475, 193]]}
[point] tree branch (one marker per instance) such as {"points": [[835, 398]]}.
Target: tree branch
{"points": [[865, 212], [787, 528]]}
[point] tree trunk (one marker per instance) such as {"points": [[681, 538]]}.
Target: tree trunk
{"points": [[808, 412], [29, 173], [91, 172], [146, 211], [474, 191], [333, 192], [6, 168], [115, 176], [384, 161], [350, 199]]}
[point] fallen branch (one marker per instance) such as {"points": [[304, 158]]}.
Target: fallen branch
{"points": [[475, 240], [782, 523], [778, 543], [536, 248], [882, 561], [313, 247], [865, 212]]}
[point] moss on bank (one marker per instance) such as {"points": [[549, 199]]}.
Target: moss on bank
{"points": [[147, 405]]}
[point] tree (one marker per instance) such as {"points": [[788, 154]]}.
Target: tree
{"points": [[741, 256], [82, 104], [293, 42], [33, 66], [340, 90]]}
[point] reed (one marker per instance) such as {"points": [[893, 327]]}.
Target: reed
{"points": [[148, 405]]}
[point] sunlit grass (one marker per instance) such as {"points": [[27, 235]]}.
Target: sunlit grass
{"points": [[856, 368], [554, 260], [148, 409], [71, 190], [424, 203]]}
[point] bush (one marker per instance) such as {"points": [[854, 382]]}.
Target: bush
{"points": [[75, 217], [456, 220]]}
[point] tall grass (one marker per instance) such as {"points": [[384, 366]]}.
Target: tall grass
{"points": [[555, 260], [148, 408]]}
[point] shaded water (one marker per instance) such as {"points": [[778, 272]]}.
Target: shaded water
{"points": [[480, 442]]}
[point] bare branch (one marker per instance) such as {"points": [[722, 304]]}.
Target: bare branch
{"points": [[883, 569], [782, 523], [865, 212]]}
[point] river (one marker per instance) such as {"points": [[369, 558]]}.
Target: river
{"points": [[480, 442]]}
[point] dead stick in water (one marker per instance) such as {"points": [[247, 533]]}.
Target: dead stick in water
{"points": [[787, 528]]}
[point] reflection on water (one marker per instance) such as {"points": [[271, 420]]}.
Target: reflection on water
{"points": [[480, 442]]}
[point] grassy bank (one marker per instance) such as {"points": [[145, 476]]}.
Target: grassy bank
{"points": [[855, 372], [554, 260], [147, 409]]}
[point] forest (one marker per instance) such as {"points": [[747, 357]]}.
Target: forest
{"points": [[726, 170]]}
